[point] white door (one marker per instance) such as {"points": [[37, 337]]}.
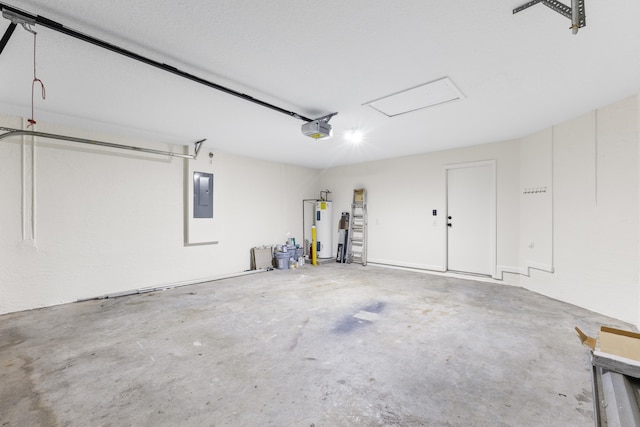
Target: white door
{"points": [[471, 218]]}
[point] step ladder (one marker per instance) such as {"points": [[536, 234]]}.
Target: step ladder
{"points": [[357, 240]]}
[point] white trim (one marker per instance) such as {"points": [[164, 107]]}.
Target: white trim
{"points": [[395, 263], [173, 285], [476, 278], [523, 271], [494, 235], [541, 267]]}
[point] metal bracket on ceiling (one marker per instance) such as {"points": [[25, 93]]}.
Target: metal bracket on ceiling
{"points": [[15, 19], [18, 18], [325, 118], [576, 13], [198, 146]]}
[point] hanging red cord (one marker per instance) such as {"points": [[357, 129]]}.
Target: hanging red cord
{"points": [[32, 120]]}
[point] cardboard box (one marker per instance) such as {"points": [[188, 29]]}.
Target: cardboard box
{"points": [[614, 341], [619, 342]]}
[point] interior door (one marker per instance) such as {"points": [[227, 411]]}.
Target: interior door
{"points": [[471, 218]]}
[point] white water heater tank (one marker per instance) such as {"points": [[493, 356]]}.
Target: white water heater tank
{"points": [[324, 229]]}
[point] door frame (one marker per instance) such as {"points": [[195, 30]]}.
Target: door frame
{"points": [[493, 213]]}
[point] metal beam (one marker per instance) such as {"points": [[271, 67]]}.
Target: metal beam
{"points": [[7, 35], [526, 6], [48, 23], [582, 14], [19, 132], [561, 8], [576, 13]]}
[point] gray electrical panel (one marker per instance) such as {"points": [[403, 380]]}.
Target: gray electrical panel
{"points": [[202, 195]]}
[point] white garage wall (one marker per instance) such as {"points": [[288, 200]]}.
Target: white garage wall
{"points": [[79, 221], [403, 192], [595, 213], [584, 230], [107, 221], [536, 202]]}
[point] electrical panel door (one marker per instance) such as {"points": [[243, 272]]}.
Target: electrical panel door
{"points": [[202, 195]]}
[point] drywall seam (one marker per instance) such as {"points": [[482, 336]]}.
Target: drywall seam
{"points": [[553, 199], [547, 264], [595, 158]]}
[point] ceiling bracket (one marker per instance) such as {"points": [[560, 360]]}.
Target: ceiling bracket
{"points": [[326, 118], [19, 18], [198, 146], [15, 18], [576, 13]]}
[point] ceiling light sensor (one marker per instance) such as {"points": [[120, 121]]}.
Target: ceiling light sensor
{"points": [[319, 128], [576, 12]]}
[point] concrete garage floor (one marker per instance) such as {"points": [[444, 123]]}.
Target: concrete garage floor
{"points": [[334, 345]]}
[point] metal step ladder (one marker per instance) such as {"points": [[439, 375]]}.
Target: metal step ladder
{"points": [[357, 243]]}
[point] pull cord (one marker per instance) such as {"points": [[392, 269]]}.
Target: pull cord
{"points": [[32, 120]]}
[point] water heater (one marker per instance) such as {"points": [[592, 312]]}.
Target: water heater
{"points": [[324, 229]]}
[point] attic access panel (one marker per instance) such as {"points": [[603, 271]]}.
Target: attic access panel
{"points": [[426, 95]]}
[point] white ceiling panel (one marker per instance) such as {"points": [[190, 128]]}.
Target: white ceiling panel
{"points": [[518, 73], [416, 98]]}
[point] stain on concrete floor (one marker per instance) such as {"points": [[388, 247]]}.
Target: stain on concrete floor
{"points": [[334, 345]]}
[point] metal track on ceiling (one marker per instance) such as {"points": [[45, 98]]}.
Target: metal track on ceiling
{"points": [[17, 16]]}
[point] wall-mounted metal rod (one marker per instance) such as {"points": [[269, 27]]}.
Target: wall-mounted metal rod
{"points": [[45, 22], [19, 132]]}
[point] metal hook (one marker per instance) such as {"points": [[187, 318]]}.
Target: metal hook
{"points": [[28, 28]]}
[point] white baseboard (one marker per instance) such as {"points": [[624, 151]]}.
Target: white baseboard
{"points": [[523, 271], [173, 285], [436, 271], [396, 263]]}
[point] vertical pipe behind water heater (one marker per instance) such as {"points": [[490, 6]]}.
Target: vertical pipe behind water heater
{"points": [[324, 228]]}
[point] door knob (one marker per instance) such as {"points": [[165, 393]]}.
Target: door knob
{"points": [[449, 217], [449, 224]]}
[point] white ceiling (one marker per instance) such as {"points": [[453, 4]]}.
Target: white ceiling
{"points": [[519, 73]]}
